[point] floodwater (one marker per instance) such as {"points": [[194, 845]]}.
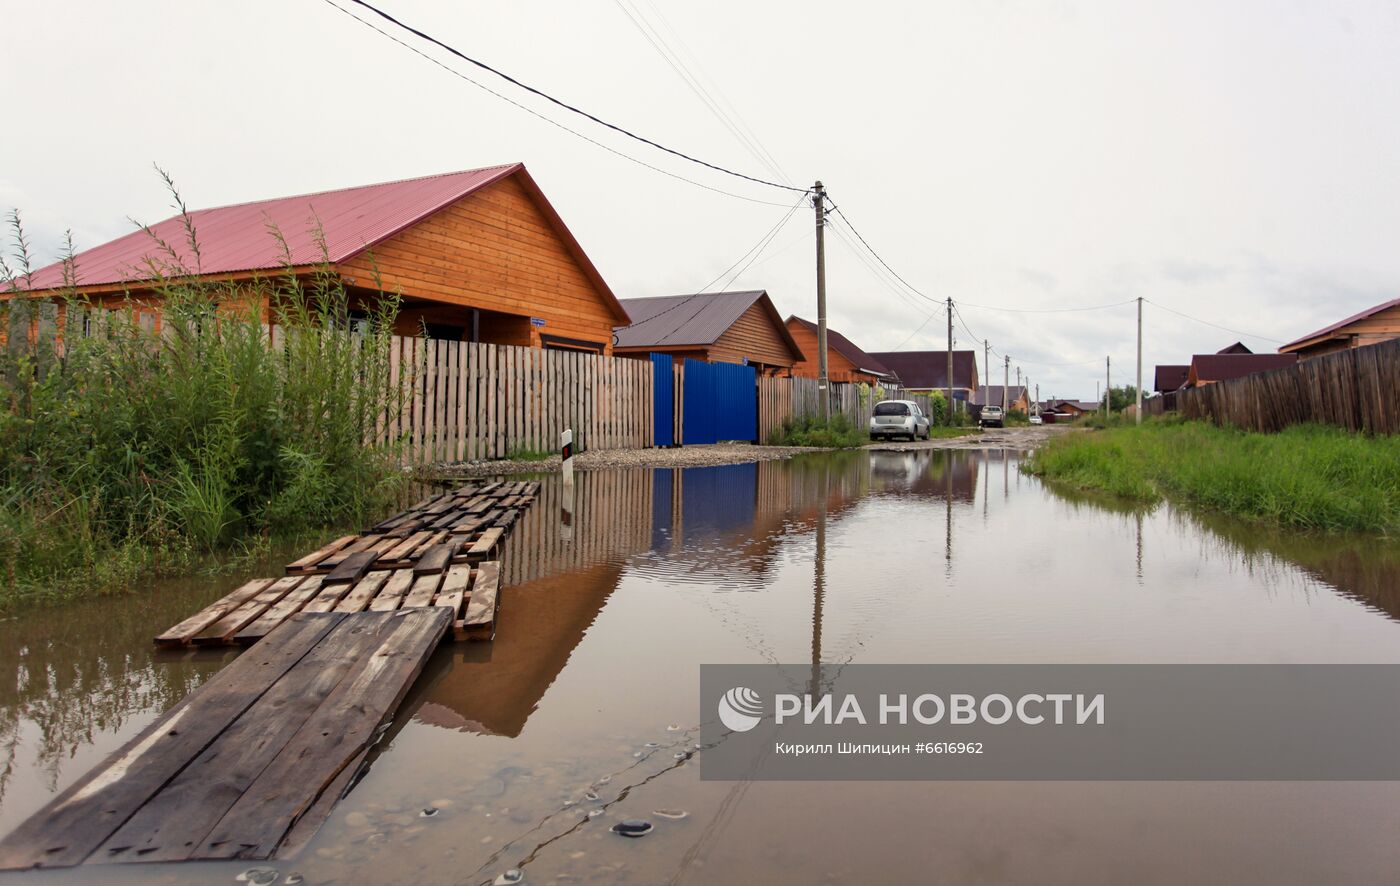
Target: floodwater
{"points": [[858, 557]]}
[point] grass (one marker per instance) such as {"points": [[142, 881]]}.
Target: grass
{"points": [[945, 432], [529, 454], [1306, 477], [130, 453], [836, 433]]}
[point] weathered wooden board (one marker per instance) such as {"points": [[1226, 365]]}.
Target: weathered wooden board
{"points": [[269, 743]]}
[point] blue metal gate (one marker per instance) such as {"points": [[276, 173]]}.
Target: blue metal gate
{"points": [[720, 402], [663, 400]]}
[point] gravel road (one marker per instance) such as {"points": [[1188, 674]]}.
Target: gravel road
{"points": [[737, 453]]}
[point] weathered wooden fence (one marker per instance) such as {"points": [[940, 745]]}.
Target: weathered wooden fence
{"points": [[784, 399], [464, 401], [1357, 389]]}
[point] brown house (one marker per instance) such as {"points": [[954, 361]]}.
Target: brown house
{"points": [[923, 372], [717, 327], [479, 255], [1208, 369], [844, 361], [1016, 397], [1372, 326], [1170, 376]]}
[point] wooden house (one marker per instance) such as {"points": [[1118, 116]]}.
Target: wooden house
{"points": [[716, 327], [1208, 369], [1014, 398], [845, 362], [479, 255], [1374, 325], [923, 372], [1169, 377]]}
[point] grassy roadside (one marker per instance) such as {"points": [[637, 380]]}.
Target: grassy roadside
{"points": [[1307, 477]]}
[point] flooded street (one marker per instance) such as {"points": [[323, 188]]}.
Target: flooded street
{"points": [[521, 753]]}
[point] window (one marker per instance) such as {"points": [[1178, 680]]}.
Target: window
{"points": [[891, 408]]}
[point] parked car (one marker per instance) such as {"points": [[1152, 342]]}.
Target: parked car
{"points": [[898, 418], [991, 417], [1035, 419]]}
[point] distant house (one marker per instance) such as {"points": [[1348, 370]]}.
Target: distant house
{"points": [[845, 362], [991, 395], [1072, 408], [1236, 348], [719, 327], [1211, 368], [1374, 325], [1169, 377], [923, 372], [479, 255]]}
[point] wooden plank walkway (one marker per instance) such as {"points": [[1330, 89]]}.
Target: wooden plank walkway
{"points": [[251, 762], [439, 553]]}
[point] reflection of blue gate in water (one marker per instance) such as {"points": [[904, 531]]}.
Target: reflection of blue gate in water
{"points": [[720, 402]]}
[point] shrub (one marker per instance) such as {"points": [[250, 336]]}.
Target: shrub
{"points": [[806, 430]]}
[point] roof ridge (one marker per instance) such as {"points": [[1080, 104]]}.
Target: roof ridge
{"points": [[325, 191]]}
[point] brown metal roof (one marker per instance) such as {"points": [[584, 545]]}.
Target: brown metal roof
{"points": [[1328, 330], [1220, 367], [696, 320], [990, 395], [1238, 347], [848, 349], [929, 369], [1170, 376]]}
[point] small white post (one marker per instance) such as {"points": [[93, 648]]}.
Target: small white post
{"points": [[566, 499]]}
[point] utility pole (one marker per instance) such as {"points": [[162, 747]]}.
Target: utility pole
{"points": [[986, 365], [823, 388], [1018, 378], [1138, 417], [1108, 387], [1005, 384], [1037, 398], [950, 360]]}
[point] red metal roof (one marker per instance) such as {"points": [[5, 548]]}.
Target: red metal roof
{"points": [[239, 237], [847, 348], [1219, 367], [1170, 376], [1327, 330]]}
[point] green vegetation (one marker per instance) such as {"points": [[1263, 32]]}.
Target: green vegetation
{"points": [[1015, 418], [936, 432], [126, 452], [1306, 477], [806, 430]]}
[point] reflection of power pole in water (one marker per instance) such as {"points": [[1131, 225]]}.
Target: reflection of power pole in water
{"points": [[819, 589], [986, 484], [948, 518], [1005, 476], [1139, 547]]}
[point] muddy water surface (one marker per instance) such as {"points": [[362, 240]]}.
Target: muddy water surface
{"points": [[589, 692]]}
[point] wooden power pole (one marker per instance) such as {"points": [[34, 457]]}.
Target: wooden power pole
{"points": [[950, 360], [1138, 418], [823, 387]]}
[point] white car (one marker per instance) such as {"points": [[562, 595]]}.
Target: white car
{"points": [[898, 418], [1034, 419]]}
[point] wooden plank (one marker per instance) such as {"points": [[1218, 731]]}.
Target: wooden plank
{"points": [[364, 543], [393, 593], [480, 618], [184, 631], [364, 591], [222, 631], [172, 825], [333, 737], [486, 542], [280, 611], [455, 586], [311, 559], [353, 568], [80, 818], [402, 551], [423, 592], [328, 598], [434, 559]]}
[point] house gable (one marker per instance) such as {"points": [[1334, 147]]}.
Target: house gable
{"points": [[758, 335], [495, 250]]}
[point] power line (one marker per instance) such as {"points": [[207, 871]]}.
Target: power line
{"points": [[1213, 325], [566, 106], [754, 251], [532, 112], [1048, 310], [677, 64], [866, 244]]}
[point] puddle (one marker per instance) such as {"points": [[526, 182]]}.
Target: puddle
{"points": [[523, 754]]}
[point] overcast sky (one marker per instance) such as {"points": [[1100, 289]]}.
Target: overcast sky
{"points": [[1235, 161]]}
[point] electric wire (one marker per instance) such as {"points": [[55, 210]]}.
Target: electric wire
{"points": [[1213, 325], [422, 35]]}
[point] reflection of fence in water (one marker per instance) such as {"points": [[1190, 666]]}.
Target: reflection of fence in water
{"points": [[611, 520]]}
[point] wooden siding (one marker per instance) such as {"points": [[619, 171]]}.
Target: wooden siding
{"points": [[497, 251], [755, 336], [1379, 327], [838, 366]]}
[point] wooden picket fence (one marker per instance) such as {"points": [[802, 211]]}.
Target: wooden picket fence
{"points": [[1357, 389], [464, 401], [783, 399]]}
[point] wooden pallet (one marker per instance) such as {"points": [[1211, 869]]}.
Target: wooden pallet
{"points": [[471, 521], [252, 761], [256, 609]]}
